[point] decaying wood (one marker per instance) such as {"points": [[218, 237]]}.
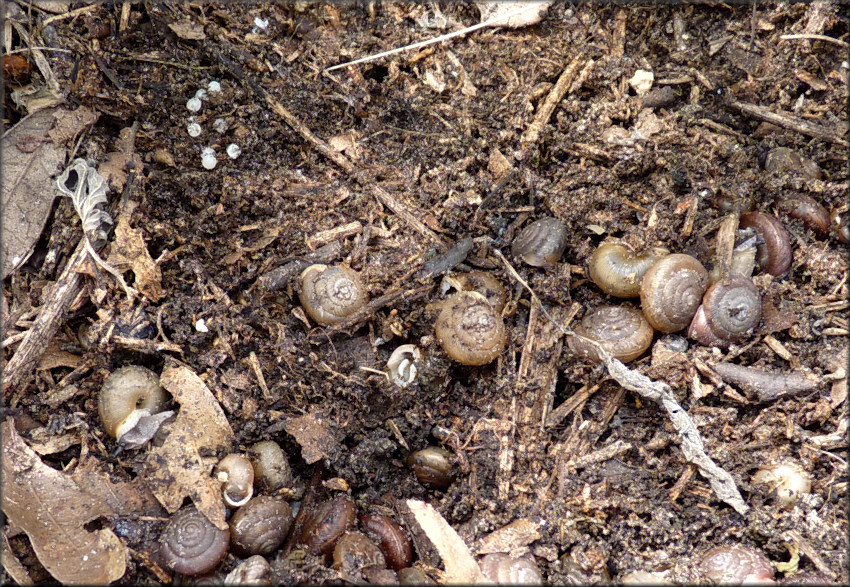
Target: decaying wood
{"points": [[786, 121], [766, 386], [446, 261], [556, 94]]}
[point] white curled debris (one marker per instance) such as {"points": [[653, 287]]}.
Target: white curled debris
{"points": [[401, 366], [513, 15]]}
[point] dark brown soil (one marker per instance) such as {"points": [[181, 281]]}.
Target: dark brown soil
{"points": [[217, 232]]}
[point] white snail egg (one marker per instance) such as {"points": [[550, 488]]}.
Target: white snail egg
{"points": [[194, 129], [194, 104], [233, 150], [208, 158]]}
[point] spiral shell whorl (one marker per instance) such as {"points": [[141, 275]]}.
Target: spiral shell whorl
{"points": [[732, 307], [191, 544], [621, 331], [260, 526], [469, 329], [618, 271], [672, 290], [330, 294]]}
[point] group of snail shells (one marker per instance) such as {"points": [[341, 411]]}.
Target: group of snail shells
{"points": [[675, 293]]}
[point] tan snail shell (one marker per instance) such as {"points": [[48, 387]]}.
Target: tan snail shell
{"points": [[271, 467], [774, 256], [260, 526], [735, 564], [254, 571], [236, 474], [128, 394], [671, 291], [618, 270], [191, 544], [469, 329], [622, 331], [730, 310], [541, 243], [331, 294]]}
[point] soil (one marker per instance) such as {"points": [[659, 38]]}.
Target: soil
{"points": [[440, 129]]}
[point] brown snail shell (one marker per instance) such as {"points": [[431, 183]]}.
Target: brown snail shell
{"points": [[622, 331], [391, 538], [735, 564], [671, 291], [260, 526], [271, 467], [469, 329], [802, 207], [414, 576], [782, 160], [774, 256], [128, 394], [432, 467], [502, 569], [730, 309], [541, 243], [330, 294], [618, 270], [252, 571], [326, 523], [191, 544], [236, 474], [484, 283], [354, 551]]}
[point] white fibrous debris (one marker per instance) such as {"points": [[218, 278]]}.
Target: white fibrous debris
{"points": [[220, 125], [262, 24], [233, 150], [194, 129], [193, 105], [214, 87], [201, 94], [201, 326], [208, 159], [400, 365]]}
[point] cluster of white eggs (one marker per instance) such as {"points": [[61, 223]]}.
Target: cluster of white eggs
{"points": [[193, 128]]}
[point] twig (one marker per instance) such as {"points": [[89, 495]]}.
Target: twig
{"points": [[692, 447], [786, 121], [447, 261], [813, 37], [765, 385], [552, 100]]}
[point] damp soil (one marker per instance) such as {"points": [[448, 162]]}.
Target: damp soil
{"points": [[440, 130]]}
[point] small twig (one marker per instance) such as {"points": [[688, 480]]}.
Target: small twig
{"points": [[765, 385], [813, 37], [786, 121], [447, 261], [552, 100], [692, 447]]}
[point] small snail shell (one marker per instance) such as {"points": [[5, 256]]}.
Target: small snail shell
{"points": [[621, 331], [541, 243], [671, 291], [484, 283], [774, 256], [330, 294], [260, 526], [191, 544], [390, 537], [236, 473], [354, 552], [618, 271], [414, 576], [271, 467], [730, 309], [840, 222], [432, 467], [788, 480], [252, 571], [401, 365], [128, 394], [783, 160], [469, 329], [802, 207], [325, 524], [504, 570], [735, 564]]}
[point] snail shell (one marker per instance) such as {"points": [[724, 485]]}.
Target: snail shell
{"points": [[414, 576], [252, 571], [327, 523], [330, 294], [730, 310], [671, 291], [802, 207], [469, 329], [260, 526], [774, 256], [502, 569], [390, 537], [782, 160], [271, 467], [236, 474], [840, 222], [735, 564], [541, 243], [128, 394], [191, 544], [432, 467], [618, 271], [354, 552], [484, 283], [622, 331]]}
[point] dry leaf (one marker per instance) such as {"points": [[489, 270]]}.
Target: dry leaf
{"points": [[129, 251], [52, 510], [181, 467], [460, 565], [117, 163], [12, 565], [515, 535], [313, 435], [124, 498], [188, 30]]}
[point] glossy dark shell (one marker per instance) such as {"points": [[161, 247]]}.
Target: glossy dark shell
{"points": [[671, 292], [260, 526], [622, 331], [541, 243], [354, 551], [432, 467], [802, 207], [326, 523], [391, 538], [191, 544], [735, 564], [774, 256]]}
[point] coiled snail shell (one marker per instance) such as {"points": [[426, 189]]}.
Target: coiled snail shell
{"points": [[622, 331], [774, 256], [730, 309], [469, 329], [128, 394], [260, 526], [618, 271], [541, 243], [331, 294], [735, 564], [236, 474], [191, 544], [671, 291]]}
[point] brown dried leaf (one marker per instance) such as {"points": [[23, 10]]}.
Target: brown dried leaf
{"points": [[117, 163], [122, 497], [313, 435], [181, 467], [518, 533], [52, 510], [188, 30], [129, 251]]}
